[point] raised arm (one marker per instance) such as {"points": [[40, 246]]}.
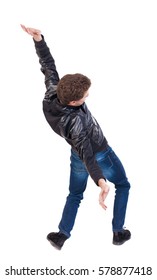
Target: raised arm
{"points": [[46, 61]]}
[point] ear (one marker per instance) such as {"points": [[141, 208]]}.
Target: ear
{"points": [[72, 103]]}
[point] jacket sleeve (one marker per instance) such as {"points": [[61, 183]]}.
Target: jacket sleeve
{"points": [[48, 68], [83, 146]]}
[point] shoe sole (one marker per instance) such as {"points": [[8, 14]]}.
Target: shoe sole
{"points": [[120, 243], [54, 244]]}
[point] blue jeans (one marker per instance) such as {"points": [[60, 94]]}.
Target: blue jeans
{"points": [[113, 171]]}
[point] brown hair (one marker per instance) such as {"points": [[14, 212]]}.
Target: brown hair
{"points": [[72, 87]]}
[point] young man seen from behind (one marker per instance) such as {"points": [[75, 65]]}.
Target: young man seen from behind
{"points": [[66, 112]]}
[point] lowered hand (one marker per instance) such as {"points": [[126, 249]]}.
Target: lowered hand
{"points": [[103, 193]]}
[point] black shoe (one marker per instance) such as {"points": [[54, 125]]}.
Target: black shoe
{"points": [[120, 237], [57, 239]]}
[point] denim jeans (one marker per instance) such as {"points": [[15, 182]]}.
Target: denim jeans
{"points": [[113, 171]]}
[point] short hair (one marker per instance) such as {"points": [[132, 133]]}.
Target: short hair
{"points": [[72, 87]]}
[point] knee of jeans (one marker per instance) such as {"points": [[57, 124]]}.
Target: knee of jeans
{"points": [[76, 196], [123, 184]]}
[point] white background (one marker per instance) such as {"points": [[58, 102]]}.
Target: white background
{"points": [[115, 44]]}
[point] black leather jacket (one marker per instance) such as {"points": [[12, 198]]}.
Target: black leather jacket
{"points": [[75, 124]]}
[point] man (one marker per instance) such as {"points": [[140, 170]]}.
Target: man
{"points": [[66, 112]]}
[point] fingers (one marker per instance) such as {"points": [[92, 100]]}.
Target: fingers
{"points": [[23, 27], [103, 205], [31, 31]]}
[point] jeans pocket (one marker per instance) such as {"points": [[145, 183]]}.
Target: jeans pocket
{"points": [[105, 163]]}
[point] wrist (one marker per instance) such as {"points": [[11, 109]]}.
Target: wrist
{"points": [[37, 38], [101, 182]]}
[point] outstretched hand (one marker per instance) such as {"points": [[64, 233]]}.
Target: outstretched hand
{"points": [[103, 193], [35, 33]]}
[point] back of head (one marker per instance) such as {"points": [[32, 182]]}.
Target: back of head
{"points": [[72, 87]]}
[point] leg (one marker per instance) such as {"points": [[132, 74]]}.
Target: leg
{"points": [[78, 182], [114, 172]]}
